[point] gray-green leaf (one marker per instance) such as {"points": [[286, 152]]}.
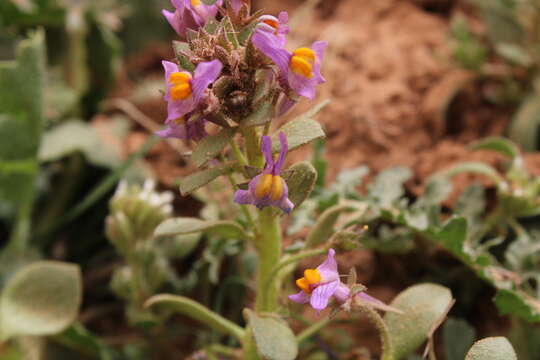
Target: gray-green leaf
{"points": [[273, 338], [324, 228], [186, 225], [299, 132], [197, 180], [458, 337], [73, 136], [423, 306], [211, 146], [43, 298], [492, 348], [300, 178]]}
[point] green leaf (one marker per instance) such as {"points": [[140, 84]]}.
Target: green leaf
{"points": [[324, 227], [437, 190], [300, 178], [514, 54], [518, 304], [524, 125], [198, 312], [73, 136], [79, 338], [458, 338], [475, 168], [273, 338], [230, 32], [498, 144], [299, 132], [492, 348], [453, 236], [194, 181], [211, 146], [181, 50], [388, 186], [185, 225], [21, 119], [263, 113], [423, 306], [41, 299]]}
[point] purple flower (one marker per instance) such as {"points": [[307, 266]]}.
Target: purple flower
{"points": [[321, 284], [299, 70], [190, 14], [185, 130], [268, 188], [184, 91], [273, 28]]}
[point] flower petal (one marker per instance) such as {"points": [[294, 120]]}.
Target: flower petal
{"points": [[322, 294], [376, 303], [282, 153], [266, 149], [272, 47], [243, 197], [301, 297], [328, 269], [205, 74]]}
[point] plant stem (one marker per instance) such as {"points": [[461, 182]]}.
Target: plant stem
{"points": [[268, 245], [239, 155], [377, 320], [253, 147], [198, 312], [312, 330]]}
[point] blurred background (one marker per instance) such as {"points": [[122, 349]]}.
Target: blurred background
{"points": [[411, 83]]}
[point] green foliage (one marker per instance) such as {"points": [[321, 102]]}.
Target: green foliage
{"points": [[183, 226], [21, 119], [423, 308], [201, 178], [273, 338], [300, 178], [493, 348], [76, 136], [41, 299], [458, 337]]}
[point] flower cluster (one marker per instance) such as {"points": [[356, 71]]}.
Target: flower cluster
{"points": [[226, 55]]}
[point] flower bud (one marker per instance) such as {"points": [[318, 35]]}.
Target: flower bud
{"points": [[135, 213]]}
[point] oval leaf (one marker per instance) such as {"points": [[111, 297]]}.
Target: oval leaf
{"points": [[524, 126], [498, 144], [300, 178], [41, 299], [211, 146], [274, 339], [423, 306], [299, 132], [185, 225], [197, 180], [492, 348]]}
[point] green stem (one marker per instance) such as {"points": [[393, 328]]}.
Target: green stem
{"points": [[268, 245], [198, 312], [239, 155], [377, 320], [18, 241], [312, 330], [253, 147]]}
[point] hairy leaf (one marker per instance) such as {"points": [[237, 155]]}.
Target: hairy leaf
{"points": [[300, 178], [423, 306], [273, 338], [299, 132], [211, 146], [186, 225], [73, 136], [197, 180], [492, 348], [43, 298]]}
